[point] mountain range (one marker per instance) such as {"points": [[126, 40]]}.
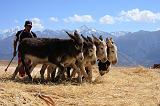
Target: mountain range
{"points": [[134, 48]]}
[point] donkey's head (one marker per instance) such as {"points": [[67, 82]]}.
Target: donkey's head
{"points": [[78, 44], [89, 49], [101, 48], [111, 51]]}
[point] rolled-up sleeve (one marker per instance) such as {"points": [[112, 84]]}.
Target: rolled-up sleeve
{"points": [[16, 37]]}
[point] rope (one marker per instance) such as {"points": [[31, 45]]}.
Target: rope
{"points": [[48, 100]]}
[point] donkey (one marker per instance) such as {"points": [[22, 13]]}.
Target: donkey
{"points": [[101, 53], [89, 52], [104, 67], [61, 52], [90, 58], [86, 65]]}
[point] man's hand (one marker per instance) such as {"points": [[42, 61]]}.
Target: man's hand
{"points": [[14, 53], [14, 49]]}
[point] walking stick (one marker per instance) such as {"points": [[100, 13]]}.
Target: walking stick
{"points": [[9, 63]]}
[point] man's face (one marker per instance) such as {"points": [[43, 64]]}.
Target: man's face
{"points": [[28, 27]]}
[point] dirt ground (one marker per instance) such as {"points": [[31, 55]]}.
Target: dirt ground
{"points": [[122, 86]]}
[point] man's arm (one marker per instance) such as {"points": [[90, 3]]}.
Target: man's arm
{"points": [[16, 39], [14, 47]]}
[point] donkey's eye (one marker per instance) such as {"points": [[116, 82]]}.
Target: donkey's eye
{"points": [[90, 50], [101, 48], [112, 51], [76, 46]]}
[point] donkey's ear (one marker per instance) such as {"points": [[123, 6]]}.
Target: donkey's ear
{"points": [[90, 39], [84, 38], [76, 34], [111, 39], [101, 38], [109, 42], [94, 36], [70, 35], [107, 39], [96, 40]]}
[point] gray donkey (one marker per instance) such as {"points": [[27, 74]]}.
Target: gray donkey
{"points": [[61, 52]]}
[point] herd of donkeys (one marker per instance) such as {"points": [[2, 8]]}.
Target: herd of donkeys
{"points": [[67, 58]]}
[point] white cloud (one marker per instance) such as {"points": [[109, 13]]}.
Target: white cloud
{"points": [[131, 15], [78, 18], [37, 24], [139, 16], [54, 19], [107, 19]]}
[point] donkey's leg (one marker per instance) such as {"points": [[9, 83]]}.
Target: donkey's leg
{"points": [[32, 67], [24, 62], [76, 69], [28, 72], [89, 69], [42, 71], [68, 72], [73, 73], [16, 71], [83, 71], [53, 76], [60, 72], [51, 70]]}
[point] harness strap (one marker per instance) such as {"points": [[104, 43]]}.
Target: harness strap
{"points": [[32, 34], [19, 36]]}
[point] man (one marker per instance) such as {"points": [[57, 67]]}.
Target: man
{"points": [[20, 35]]}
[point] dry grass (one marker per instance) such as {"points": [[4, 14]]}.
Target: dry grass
{"points": [[136, 86]]}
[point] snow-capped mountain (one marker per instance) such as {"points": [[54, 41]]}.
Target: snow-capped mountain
{"points": [[49, 33], [138, 48], [88, 31], [9, 32]]}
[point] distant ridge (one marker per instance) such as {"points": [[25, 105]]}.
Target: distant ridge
{"points": [[135, 48]]}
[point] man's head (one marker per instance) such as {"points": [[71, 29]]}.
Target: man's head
{"points": [[28, 25]]}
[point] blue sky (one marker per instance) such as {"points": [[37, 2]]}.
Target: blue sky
{"points": [[105, 15]]}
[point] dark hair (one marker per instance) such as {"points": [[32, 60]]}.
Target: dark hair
{"points": [[28, 23]]}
